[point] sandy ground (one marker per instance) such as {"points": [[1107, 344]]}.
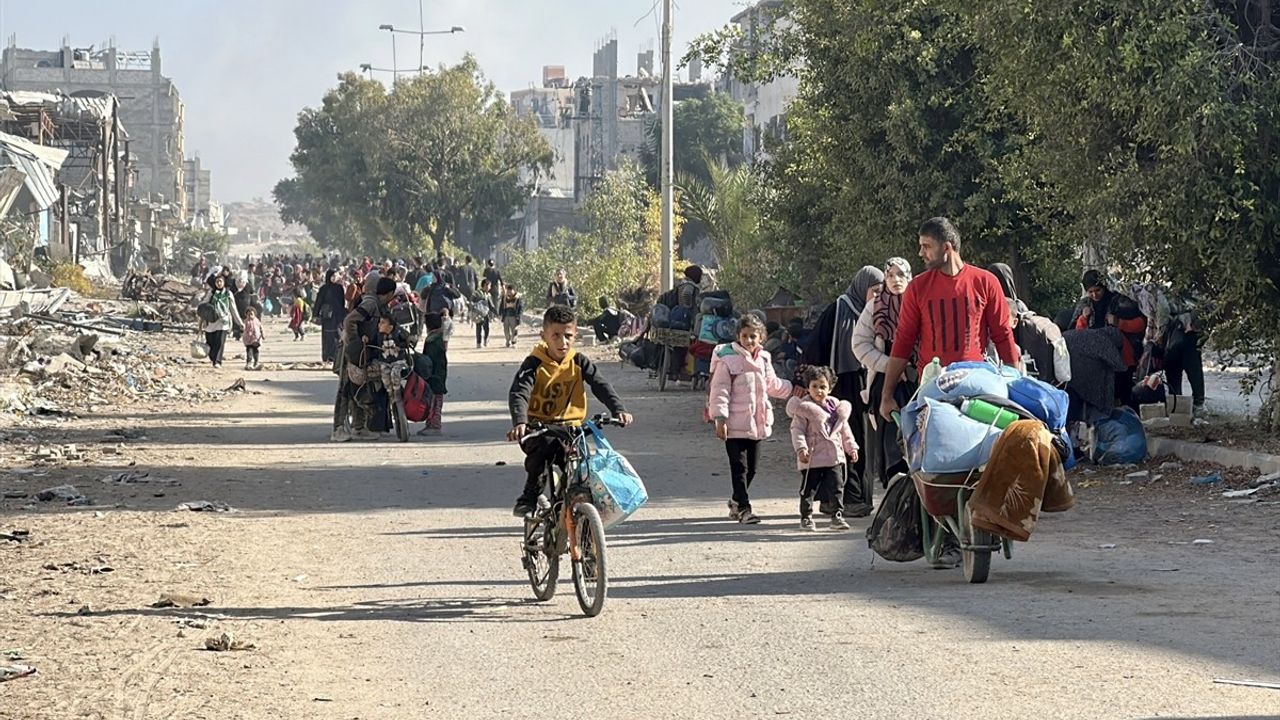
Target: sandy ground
{"points": [[383, 581]]}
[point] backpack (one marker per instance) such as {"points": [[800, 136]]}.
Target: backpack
{"points": [[416, 395], [681, 318]]}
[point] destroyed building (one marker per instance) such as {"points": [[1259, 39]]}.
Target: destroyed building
{"points": [[90, 223], [150, 106]]}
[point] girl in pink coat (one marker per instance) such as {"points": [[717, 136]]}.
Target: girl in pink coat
{"points": [[742, 381], [823, 442]]}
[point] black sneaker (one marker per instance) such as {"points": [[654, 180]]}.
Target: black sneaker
{"points": [[523, 508]]}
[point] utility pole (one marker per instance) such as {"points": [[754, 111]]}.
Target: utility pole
{"points": [[422, 36], [668, 133]]}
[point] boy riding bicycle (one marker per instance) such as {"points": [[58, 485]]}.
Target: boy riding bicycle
{"points": [[550, 388]]}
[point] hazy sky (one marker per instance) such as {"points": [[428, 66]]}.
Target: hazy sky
{"points": [[246, 67]]}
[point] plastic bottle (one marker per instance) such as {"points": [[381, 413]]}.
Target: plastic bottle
{"points": [[988, 414], [930, 372]]}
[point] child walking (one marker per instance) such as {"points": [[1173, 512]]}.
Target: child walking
{"points": [[435, 349], [510, 308], [298, 318], [252, 337], [482, 313], [742, 381], [823, 442]]}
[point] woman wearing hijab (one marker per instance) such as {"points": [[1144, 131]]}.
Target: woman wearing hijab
{"points": [[1037, 336], [831, 344], [226, 317], [330, 309], [1103, 307], [872, 341]]}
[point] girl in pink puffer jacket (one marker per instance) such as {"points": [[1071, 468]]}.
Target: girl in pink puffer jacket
{"points": [[824, 443], [742, 381]]}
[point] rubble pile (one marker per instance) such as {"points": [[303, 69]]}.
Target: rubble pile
{"points": [[162, 297], [50, 369]]}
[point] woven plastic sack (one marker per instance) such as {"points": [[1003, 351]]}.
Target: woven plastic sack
{"points": [[199, 350], [616, 489]]}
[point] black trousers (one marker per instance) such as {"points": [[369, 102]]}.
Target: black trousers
{"points": [[482, 330], [217, 342], [538, 451], [1182, 355], [856, 491], [743, 456], [251, 354], [328, 344], [826, 479]]}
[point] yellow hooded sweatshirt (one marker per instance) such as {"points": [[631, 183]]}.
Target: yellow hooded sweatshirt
{"points": [[547, 391]]}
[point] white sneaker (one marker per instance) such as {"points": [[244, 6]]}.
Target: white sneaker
{"points": [[340, 435]]}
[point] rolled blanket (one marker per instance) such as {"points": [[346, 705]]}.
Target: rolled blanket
{"points": [[1011, 493]]}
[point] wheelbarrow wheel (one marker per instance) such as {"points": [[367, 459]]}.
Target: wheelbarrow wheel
{"points": [[977, 563]]}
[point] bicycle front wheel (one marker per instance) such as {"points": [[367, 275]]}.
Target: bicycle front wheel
{"points": [[402, 424], [590, 576], [541, 559]]}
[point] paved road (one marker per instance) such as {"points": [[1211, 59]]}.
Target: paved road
{"points": [[383, 581]]}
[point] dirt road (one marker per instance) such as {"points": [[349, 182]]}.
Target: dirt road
{"points": [[383, 581]]}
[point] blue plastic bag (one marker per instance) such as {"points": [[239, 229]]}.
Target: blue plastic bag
{"points": [[1046, 402], [616, 488], [1120, 439]]}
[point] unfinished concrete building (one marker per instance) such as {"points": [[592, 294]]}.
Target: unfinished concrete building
{"points": [[612, 116], [150, 106]]}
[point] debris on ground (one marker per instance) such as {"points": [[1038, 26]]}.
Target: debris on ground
{"points": [[135, 477], [1210, 479], [13, 672], [225, 643], [64, 493], [16, 536], [205, 506], [178, 600], [1248, 683]]}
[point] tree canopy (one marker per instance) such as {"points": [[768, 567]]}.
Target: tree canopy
{"points": [[706, 130], [1124, 134], [620, 251], [400, 170]]}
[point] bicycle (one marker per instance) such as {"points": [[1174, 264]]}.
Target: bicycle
{"points": [[566, 522]]}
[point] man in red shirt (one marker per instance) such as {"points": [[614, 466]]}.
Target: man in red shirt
{"points": [[950, 310]]}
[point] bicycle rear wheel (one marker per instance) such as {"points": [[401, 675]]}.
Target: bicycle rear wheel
{"points": [[541, 560], [664, 369], [590, 576]]}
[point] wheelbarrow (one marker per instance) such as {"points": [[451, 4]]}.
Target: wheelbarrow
{"points": [[944, 511]]}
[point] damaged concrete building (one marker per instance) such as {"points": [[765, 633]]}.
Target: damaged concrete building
{"points": [[90, 222], [150, 106], [122, 196]]}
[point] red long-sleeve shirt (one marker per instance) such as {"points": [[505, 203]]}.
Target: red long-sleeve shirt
{"points": [[952, 317]]}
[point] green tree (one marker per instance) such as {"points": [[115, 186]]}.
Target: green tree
{"points": [[889, 128], [705, 128], [1153, 129], [401, 170], [620, 250], [728, 206], [192, 243]]}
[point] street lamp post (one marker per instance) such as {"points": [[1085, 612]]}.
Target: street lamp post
{"points": [[369, 68], [422, 34], [395, 67]]}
